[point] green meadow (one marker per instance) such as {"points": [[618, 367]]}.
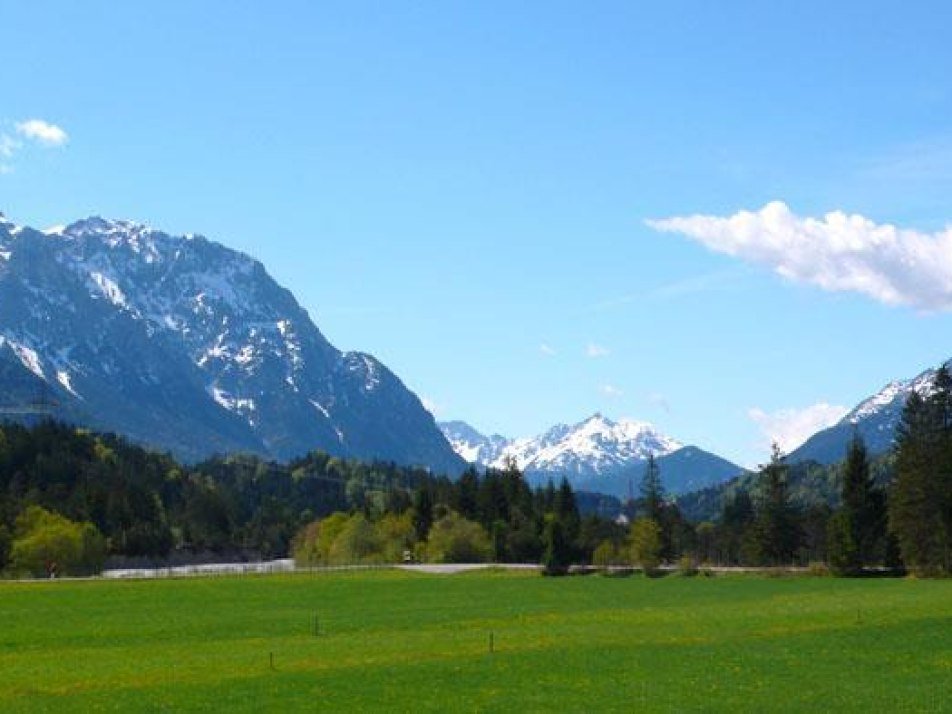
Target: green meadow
{"points": [[398, 641]]}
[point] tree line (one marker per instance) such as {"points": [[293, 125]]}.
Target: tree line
{"points": [[71, 499]]}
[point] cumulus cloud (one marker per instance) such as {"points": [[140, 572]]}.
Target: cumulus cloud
{"points": [[610, 390], [547, 350], [42, 132], [789, 428], [594, 351], [838, 252]]}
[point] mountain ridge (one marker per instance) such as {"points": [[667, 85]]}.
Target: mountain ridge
{"points": [[596, 454], [187, 345], [874, 418]]}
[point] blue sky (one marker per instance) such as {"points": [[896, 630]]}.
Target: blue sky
{"points": [[463, 189]]}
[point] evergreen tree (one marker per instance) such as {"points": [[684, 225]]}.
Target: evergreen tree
{"points": [[557, 556], [652, 492], [566, 512], [735, 531], [854, 531], [467, 494], [776, 529], [920, 503], [422, 511]]}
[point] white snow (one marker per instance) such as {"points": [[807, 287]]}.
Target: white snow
{"points": [[27, 355], [245, 355], [893, 395], [62, 376], [229, 402], [320, 407], [108, 287]]}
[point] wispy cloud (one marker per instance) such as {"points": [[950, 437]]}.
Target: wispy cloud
{"points": [[42, 132], [8, 146], [547, 350], [789, 428], [595, 351], [839, 252], [610, 390], [720, 280], [717, 281]]}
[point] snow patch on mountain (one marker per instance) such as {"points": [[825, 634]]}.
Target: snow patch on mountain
{"points": [[27, 355]]}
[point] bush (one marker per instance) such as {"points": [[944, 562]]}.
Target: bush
{"points": [[46, 543], [454, 539], [608, 555], [357, 542], [312, 544], [687, 566]]}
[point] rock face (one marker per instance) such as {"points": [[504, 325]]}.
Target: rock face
{"points": [[186, 345], [875, 419], [597, 454]]}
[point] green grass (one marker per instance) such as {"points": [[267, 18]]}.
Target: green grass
{"points": [[398, 641]]}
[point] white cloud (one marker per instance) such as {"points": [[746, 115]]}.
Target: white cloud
{"points": [[609, 390], [838, 252], [547, 350], [42, 132], [789, 428], [595, 351]]}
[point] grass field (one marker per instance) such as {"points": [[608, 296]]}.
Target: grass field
{"points": [[399, 641]]}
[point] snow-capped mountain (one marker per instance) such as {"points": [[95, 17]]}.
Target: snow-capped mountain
{"points": [[472, 446], [596, 454], [182, 343], [875, 419]]}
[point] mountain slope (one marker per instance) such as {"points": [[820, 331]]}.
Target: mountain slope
{"points": [[184, 344], [597, 454], [875, 419]]}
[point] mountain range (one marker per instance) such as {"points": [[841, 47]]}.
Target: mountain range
{"points": [[183, 344], [596, 454]]}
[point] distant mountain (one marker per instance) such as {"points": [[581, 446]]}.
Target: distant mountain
{"points": [[472, 446], [186, 345], [875, 419], [597, 454]]}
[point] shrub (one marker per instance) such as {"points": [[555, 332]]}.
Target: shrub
{"points": [[454, 539], [48, 543], [687, 566]]}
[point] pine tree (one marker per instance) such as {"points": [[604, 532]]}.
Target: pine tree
{"points": [[920, 503], [557, 556], [735, 529], [652, 492], [854, 531], [776, 529], [422, 511], [566, 512]]}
